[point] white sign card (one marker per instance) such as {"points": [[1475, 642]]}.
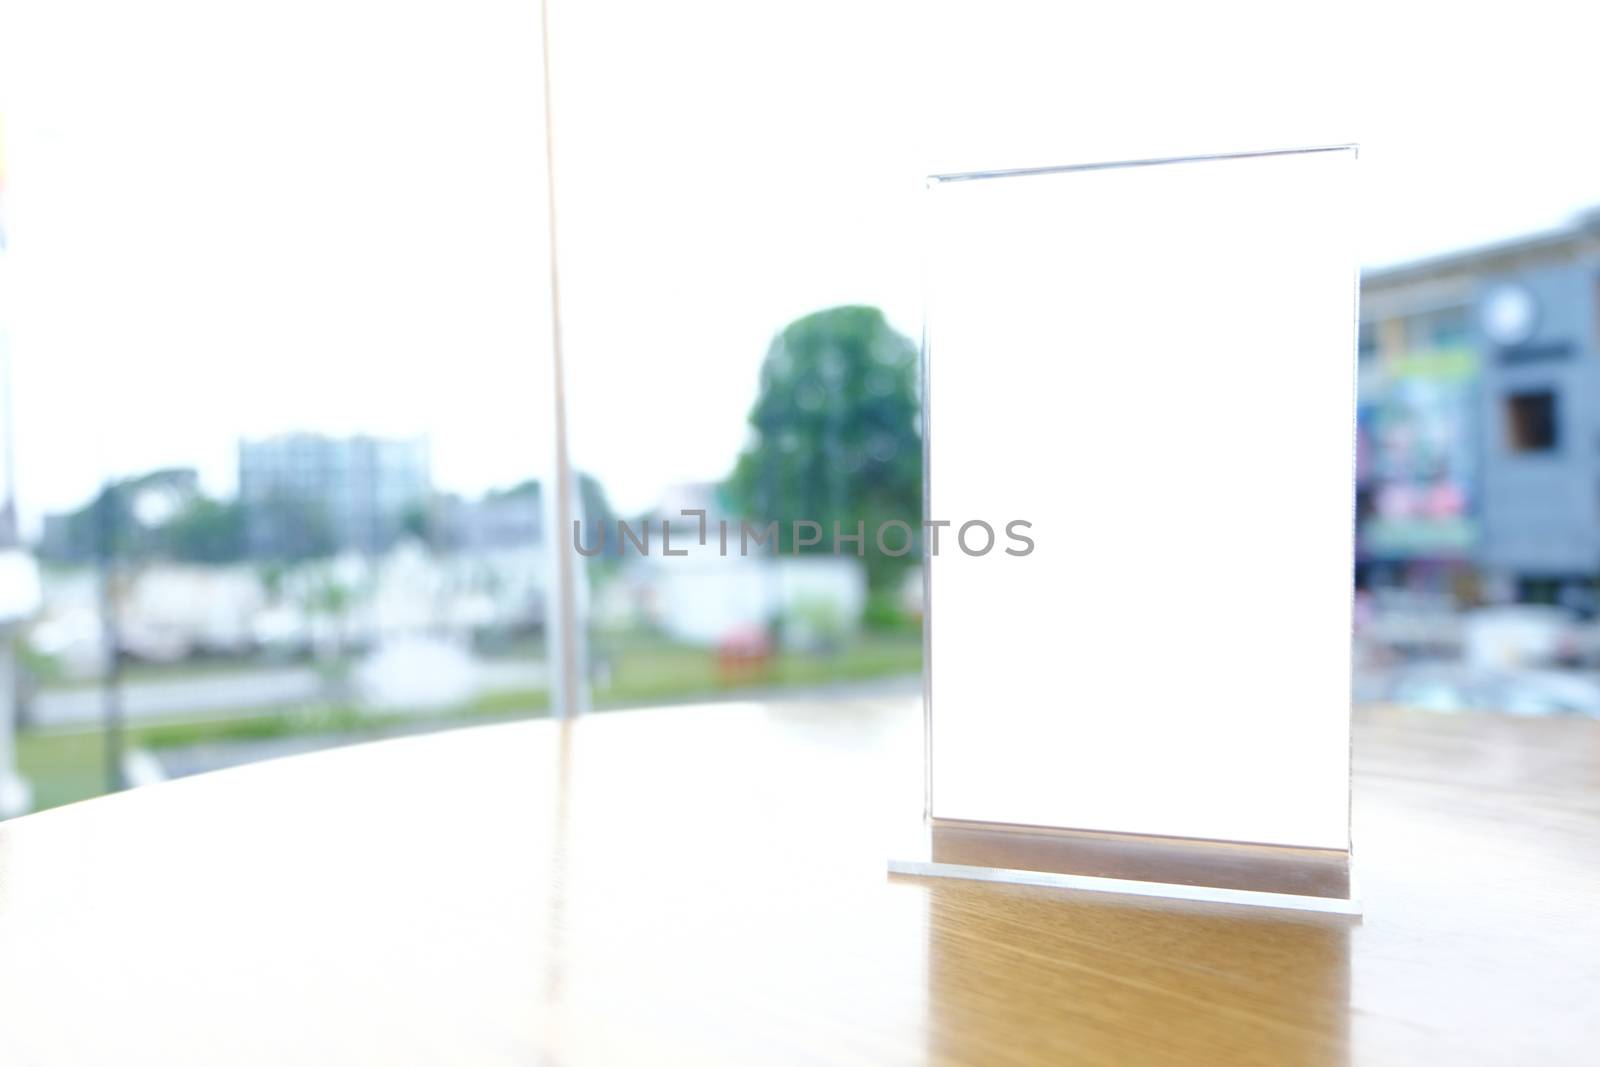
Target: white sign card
{"points": [[1152, 365]]}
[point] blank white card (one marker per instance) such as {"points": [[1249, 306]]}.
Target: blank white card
{"points": [[1153, 365]]}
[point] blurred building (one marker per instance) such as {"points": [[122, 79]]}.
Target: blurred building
{"points": [[306, 494], [1479, 419], [498, 520]]}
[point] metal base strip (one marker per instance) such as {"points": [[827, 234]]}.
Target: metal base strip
{"points": [[1253, 898]]}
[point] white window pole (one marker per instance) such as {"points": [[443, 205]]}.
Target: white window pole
{"points": [[564, 623]]}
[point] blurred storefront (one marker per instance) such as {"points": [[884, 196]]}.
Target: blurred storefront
{"points": [[1478, 463]]}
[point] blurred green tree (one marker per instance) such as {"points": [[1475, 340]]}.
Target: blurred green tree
{"points": [[837, 436], [206, 531]]}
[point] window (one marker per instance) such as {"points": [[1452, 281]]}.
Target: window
{"points": [[1597, 312], [1449, 328], [1444, 328], [1531, 421]]}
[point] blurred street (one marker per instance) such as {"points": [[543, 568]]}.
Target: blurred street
{"points": [[238, 693], [213, 695]]}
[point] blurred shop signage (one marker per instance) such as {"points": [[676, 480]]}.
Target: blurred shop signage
{"points": [[1536, 353], [1417, 460]]}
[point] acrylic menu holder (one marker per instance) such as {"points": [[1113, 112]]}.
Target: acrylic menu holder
{"points": [[1151, 364]]}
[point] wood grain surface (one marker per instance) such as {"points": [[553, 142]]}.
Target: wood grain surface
{"points": [[706, 886]]}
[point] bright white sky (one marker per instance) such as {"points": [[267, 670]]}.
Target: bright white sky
{"points": [[238, 218]]}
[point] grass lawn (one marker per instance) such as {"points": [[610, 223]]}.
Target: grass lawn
{"points": [[48, 674], [63, 767], [642, 670], [652, 671]]}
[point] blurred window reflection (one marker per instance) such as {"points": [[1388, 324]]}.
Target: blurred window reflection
{"points": [[277, 394]]}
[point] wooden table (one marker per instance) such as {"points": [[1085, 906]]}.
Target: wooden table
{"points": [[707, 886]]}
